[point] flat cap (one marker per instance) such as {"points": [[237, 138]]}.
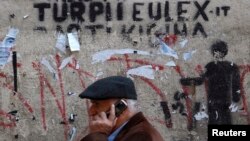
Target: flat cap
{"points": [[110, 87]]}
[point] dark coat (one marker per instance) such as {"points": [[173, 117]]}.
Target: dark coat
{"points": [[137, 129]]}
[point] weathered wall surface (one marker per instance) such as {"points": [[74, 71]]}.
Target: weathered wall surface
{"points": [[116, 37]]}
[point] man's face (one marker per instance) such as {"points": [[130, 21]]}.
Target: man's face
{"points": [[98, 106]]}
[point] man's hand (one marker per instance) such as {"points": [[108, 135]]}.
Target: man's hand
{"points": [[102, 123]]}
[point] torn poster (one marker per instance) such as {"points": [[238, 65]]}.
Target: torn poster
{"points": [[166, 50], [188, 55], [170, 64], [72, 134], [10, 38], [201, 115], [183, 43], [47, 64], [6, 45], [4, 55], [61, 43], [74, 44], [145, 71], [102, 56], [65, 62]]}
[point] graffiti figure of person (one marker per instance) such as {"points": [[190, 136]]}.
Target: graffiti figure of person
{"points": [[223, 81]]}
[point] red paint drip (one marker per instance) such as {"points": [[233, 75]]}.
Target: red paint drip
{"points": [[41, 79], [54, 95], [127, 60], [141, 62], [66, 126], [178, 70], [154, 87], [25, 102]]}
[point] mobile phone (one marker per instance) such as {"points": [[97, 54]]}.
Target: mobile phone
{"points": [[120, 106]]}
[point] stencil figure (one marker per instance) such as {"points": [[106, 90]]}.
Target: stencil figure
{"points": [[223, 81]]}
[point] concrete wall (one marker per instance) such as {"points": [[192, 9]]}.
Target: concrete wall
{"points": [[42, 102]]}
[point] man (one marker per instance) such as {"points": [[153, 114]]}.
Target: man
{"points": [[223, 82], [105, 124]]}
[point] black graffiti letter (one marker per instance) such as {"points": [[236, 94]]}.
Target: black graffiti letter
{"points": [[150, 11], [199, 27], [150, 27], [77, 9], [64, 12], [200, 10], [96, 8], [179, 32], [141, 29], [93, 28], [130, 30], [108, 12], [180, 10], [119, 11], [41, 7], [167, 17], [136, 11], [225, 8]]}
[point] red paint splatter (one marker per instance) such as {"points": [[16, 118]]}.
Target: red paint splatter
{"points": [[199, 69], [8, 116], [3, 75], [170, 40], [18, 65]]}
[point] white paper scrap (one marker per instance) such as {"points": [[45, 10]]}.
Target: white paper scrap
{"points": [[47, 64], [65, 62], [145, 71], [26, 16], [61, 43], [72, 134], [10, 38], [4, 55], [166, 50], [102, 56], [201, 115], [188, 55], [73, 42], [183, 43], [170, 64], [13, 32]]}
